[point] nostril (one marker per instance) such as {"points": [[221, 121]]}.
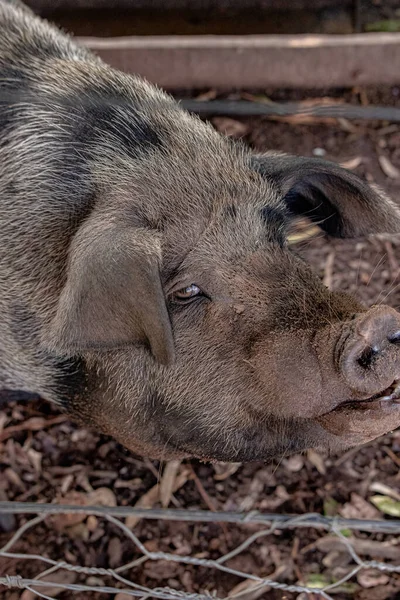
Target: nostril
{"points": [[395, 338], [368, 357]]}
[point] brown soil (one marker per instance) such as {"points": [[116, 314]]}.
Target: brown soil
{"points": [[46, 457]]}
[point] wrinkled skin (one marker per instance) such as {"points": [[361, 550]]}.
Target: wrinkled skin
{"points": [[113, 201]]}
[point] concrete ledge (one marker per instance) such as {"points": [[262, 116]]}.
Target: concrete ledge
{"points": [[226, 62], [283, 5]]}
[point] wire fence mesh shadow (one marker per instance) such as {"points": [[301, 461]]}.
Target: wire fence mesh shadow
{"points": [[253, 586]]}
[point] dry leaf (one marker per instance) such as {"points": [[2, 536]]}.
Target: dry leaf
{"points": [[92, 523], [13, 478], [150, 498], [246, 588], [387, 550], [359, 508], [369, 578], [224, 470], [352, 163], [79, 531], [252, 590], [386, 505], [102, 496], [36, 459], [33, 424], [3, 421], [208, 95], [167, 482], [316, 460], [390, 170], [61, 522], [381, 488], [114, 551], [94, 581], [230, 127], [347, 125], [64, 577]]}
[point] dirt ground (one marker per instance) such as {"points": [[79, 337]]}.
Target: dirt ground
{"points": [[44, 457]]}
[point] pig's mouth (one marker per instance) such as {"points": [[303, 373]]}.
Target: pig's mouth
{"points": [[386, 399], [359, 421]]}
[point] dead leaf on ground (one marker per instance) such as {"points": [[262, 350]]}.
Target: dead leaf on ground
{"points": [[160, 569], [224, 470], [249, 589], [63, 577], [36, 459], [347, 125], [3, 421], [208, 95], [316, 460], [114, 551], [230, 127], [167, 482], [33, 424], [61, 522], [382, 488], [101, 496], [331, 543], [369, 578], [387, 505], [150, 498], [390, 170], [359, 508], [13, 477], [352, 163]]}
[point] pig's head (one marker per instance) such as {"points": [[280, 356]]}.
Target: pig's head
{"points": [[198, 331]]}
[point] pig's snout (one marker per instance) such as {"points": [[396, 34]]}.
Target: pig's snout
{"points": [[370, 359]]}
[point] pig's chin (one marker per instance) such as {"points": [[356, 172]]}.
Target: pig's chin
{"points": [[359, 421]]}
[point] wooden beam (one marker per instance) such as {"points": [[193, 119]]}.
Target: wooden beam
{"points": [[256, 62], [191, 5]]}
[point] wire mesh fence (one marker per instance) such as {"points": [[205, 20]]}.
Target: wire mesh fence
{"points": [[252, 586]]}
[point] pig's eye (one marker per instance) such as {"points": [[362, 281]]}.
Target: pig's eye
{"points": [[187, 294]]}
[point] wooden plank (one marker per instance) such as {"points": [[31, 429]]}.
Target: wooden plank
{"points": [[256, 62], [192, 5]]}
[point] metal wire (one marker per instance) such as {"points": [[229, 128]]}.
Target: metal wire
{"points": [[276, 523], [314, 520]]}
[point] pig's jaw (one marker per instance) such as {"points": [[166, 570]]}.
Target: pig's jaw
{"points": [[360, 421]]}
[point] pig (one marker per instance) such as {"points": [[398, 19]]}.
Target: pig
{"points": [[146, 283]]}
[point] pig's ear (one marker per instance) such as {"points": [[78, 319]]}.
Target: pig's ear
{"points": [[340, 202], [113, 295]]}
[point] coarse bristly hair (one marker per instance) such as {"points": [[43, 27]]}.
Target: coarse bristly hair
{"points": [[112, 199]]}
